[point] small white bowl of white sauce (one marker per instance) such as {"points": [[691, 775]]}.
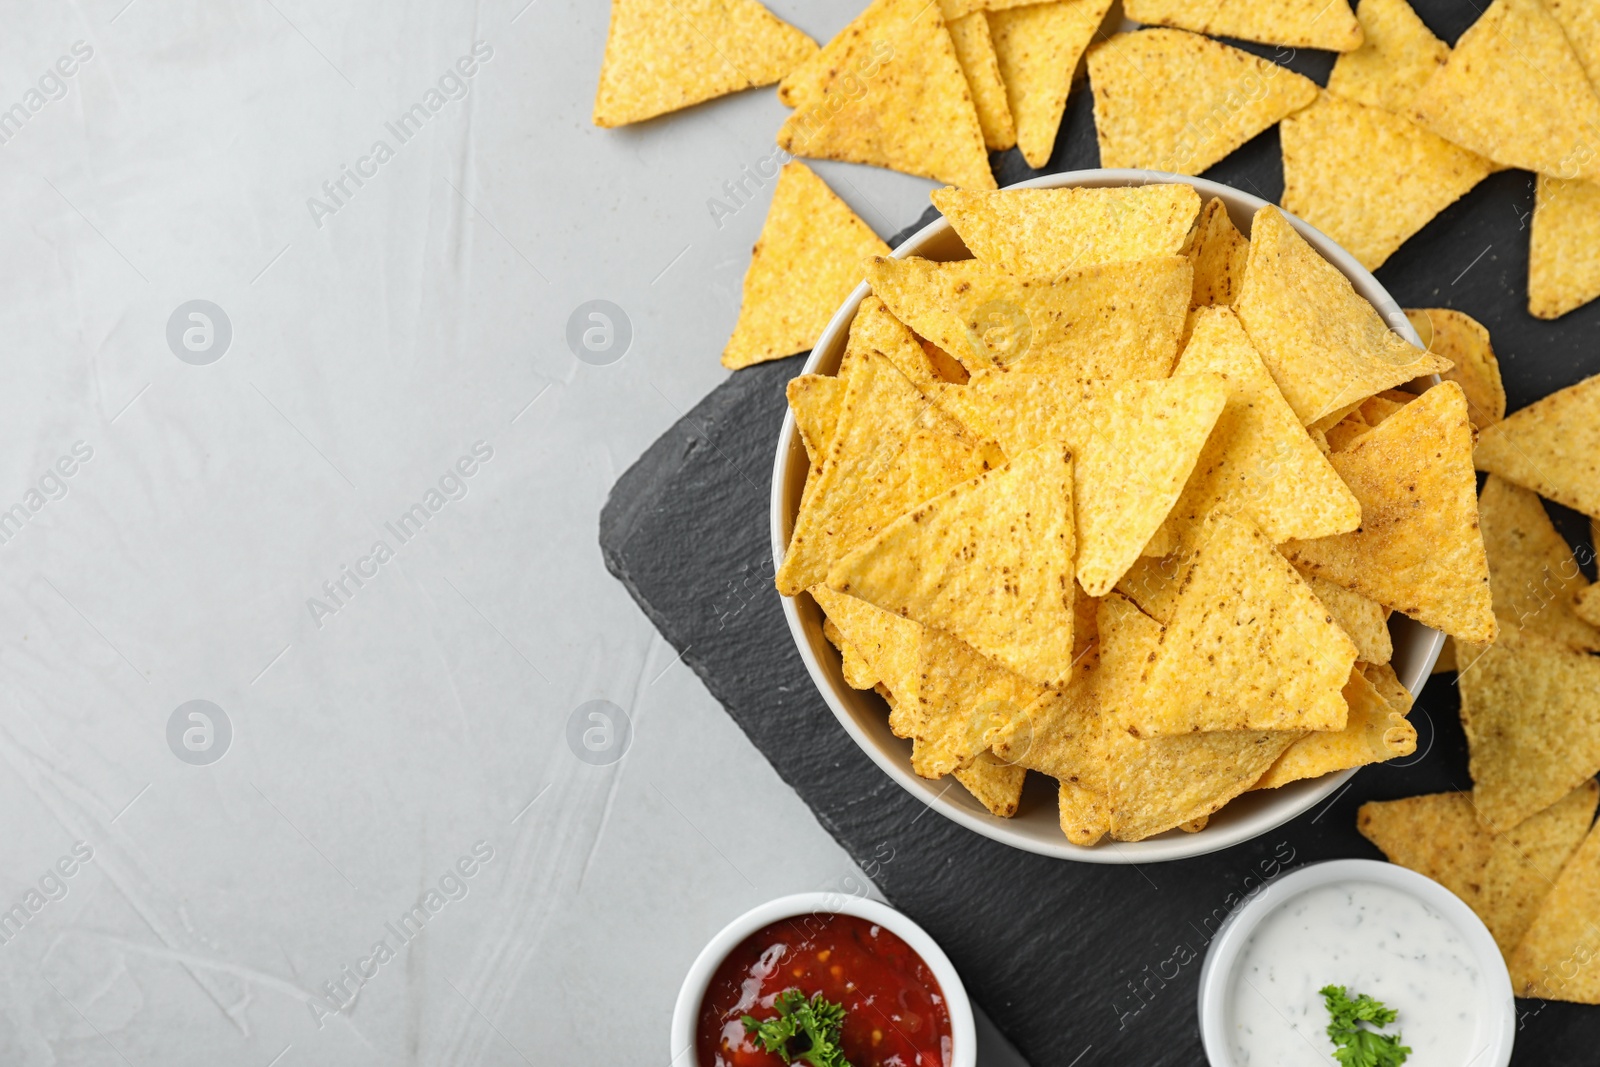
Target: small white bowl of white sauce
{"points": [[1373, 928]]}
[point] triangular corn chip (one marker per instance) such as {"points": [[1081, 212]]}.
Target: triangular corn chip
{"points": [[1220, 254], [1250, 647], [995, 784], [1361, 618], [1259, 460], [1342, 434], [1368, 178], [1580, 20], [814, 399], [877, 415], [1535, 578], [1059, 733], [1134, 445], [875, 329], [1588, 606], [1085, 814], [1564, 250], [891, 95], [1163, 782], [957, 8], [1462, 340], [1385, 681], [1531, 709], [1551, 447], [1039, 47], [1526, 861], [1513, 90], [1418, 549], [1437, 835], [1555, 959], [975, 51], [1324, 344], [857, 673], [1296, 23], [1115, 320], [1153, 583], [890, 645], [805, 263], [1375, 731], [1048, 231], [989, 561], [662, 55], [804, 83], [965, 701], [1178, 102], [1398, 55]]}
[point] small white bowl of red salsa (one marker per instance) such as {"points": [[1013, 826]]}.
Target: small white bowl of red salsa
{"points": [[903, 1003]]}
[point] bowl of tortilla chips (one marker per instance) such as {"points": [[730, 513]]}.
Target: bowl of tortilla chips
{"points": [[1074, 485]]}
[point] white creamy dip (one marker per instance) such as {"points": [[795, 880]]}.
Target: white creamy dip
{"points": [[1371, 939]]}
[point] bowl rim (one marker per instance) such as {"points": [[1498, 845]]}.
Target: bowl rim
{"points": [[1222, 956], [686, 1010], [1172, 845]]}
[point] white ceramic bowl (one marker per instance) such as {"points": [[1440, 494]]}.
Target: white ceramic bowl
{"points": [[1036, 826], [1497, 1013], [686, 1013]]}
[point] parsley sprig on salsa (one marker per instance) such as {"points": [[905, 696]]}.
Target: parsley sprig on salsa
{"points": [[804, 1030], [1356, 1045]]}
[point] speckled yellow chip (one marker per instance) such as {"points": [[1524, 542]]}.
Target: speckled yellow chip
{"points": [[805, 263], [814, 399], [1526, 860], [662, 55], [1039, 46], [1419, 549], [891, 94], [891, 647], [1398, 55], [1436, 835], [989, 561], [1114, 320], [1324, 24], [1362, 618], [965, 700], [975, 51], [996, 784], [1532, 571], [1555, 959], [1514, 91], [1369, 178], [1551, 447], [1462, 340], [1047, 231], [1250, 647], [1179, 102], [1531, 709], [1220, 254], [1325, 346], [1375, 731], [1564, 251]]}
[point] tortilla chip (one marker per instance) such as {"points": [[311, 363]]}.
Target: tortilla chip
{"points": [[957, 8], [891, 94], [1513, 90], [890, 645], [1295, 23], [1048, 231], [1153, 583], [857, 674], [1115, 320], [1368, 178], [880, 410], [1084, 816], [1398, 55], [989, 561], [1178, 102], [1361, 618], [1460, 338], [975, 52], [1164, 782], [996, 785], [1258, 460], [876, 329], [814, 399], [1039, 47], [802, 268], [1531, 709], [1134, 446], [1526, 861], [1418, 549], [662, 55], [1580, 21], [1559, 957], [1535, 579], [1385, 681], [1564, 252], [965, 700], [1436, 835], [1324, 344], [1376, 731], [1220, 254], [1059, 734], [1551, 447], [1346, 432], [1250, 647]]}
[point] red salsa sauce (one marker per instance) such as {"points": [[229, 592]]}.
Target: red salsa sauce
{"points": [[895, 1012]]}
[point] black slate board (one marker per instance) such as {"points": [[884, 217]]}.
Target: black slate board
{"points": [[1077, 964]]}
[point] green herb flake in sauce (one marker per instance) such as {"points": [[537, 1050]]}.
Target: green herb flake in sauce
{"points": [[806, 1031], [1356, 1046]]}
